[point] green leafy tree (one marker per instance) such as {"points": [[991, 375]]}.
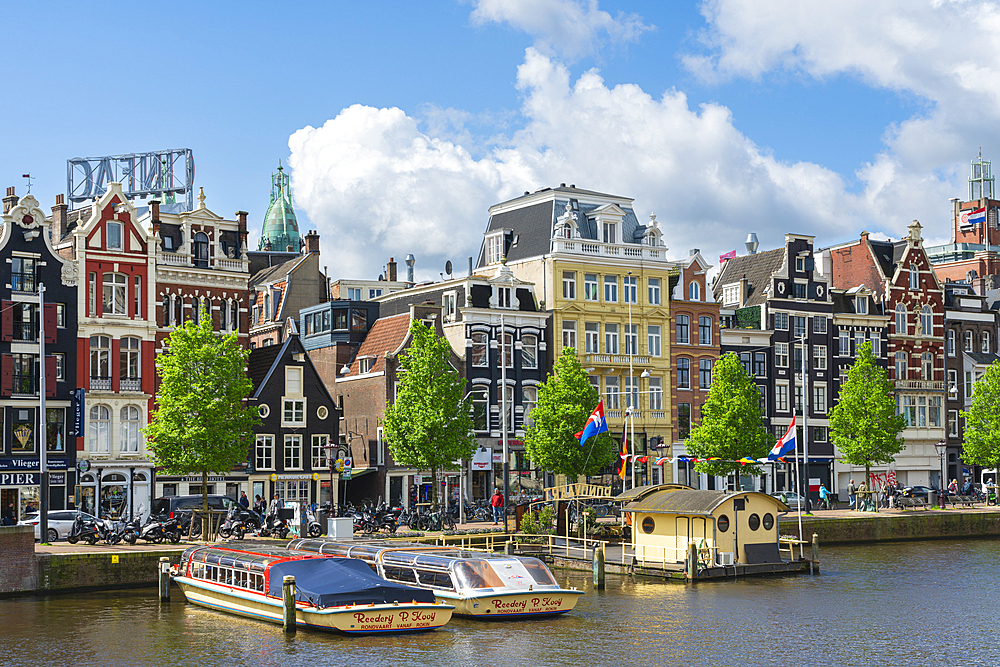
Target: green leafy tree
{"points": [[864, 425], [982, 421], [731, 422], [565, 402], [201, 423], [429, 425]]}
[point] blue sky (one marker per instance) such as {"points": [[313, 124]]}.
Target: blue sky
{"points": [[403, 122]]}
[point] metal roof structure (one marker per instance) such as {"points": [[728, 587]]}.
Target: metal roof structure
{"points": [[691, 501], [281, 227]]}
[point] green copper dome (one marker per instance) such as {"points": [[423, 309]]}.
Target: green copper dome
{"points": [[281, 229]]}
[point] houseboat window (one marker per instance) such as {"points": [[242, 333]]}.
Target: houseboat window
{"points": [[648, 525], [435, 579], [538, 572], [722, 523], [477, 574], [754, 522], [404, 574], [768, 521]]}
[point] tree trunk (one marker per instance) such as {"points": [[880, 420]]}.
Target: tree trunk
{"points": [[868, 476], [204, 505], [434, 487]]}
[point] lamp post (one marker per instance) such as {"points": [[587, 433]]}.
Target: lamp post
{"points": [[630, 408], [941, 446]]}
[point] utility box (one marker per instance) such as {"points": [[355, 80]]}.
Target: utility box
{"points": [[340, 528]]}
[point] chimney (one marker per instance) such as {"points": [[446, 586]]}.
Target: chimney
{"points": [[312, 242], [470, 265], [693, 251], [410, 261], [241, 220], [391, 270], [10, 201], [59, 215], [744, 289]]}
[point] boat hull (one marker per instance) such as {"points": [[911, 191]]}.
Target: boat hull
{"points": [[352, 619], [513, 605]]}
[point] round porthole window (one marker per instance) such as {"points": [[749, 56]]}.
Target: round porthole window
{"points": [[263, 410], [322, 412], [754, 522], [722, 523], [768, 521], [648, 525]]}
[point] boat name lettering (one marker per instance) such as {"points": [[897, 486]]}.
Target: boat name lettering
{"points": [[366, 618], [546, 602], [514, 604]]}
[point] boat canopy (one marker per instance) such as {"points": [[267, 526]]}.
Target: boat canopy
{"points": [[329, 582]]}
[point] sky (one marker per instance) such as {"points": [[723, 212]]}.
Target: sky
{"points": [[402, 123]]}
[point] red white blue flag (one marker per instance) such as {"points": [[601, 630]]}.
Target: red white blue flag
{"points": [[973, 217], [785, 446], [595, 424]]}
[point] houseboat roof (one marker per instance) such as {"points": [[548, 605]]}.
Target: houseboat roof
{"points": [[691, 501], [643, 491]]}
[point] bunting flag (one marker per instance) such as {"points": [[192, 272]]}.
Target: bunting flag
{"points": [[624, 458], [660, 461], [746, 460]]}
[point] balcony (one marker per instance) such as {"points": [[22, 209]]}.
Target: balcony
{"points": [[223, 263], [25, 332], [100, 384], [25, 385], [619, 250], [173, 259], [620, 359], [919, 385], [131, 384], [23, 282]]}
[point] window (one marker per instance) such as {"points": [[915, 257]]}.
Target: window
{"points": [[781, 321], [951, 342], [819, 357], [797, 358], [683, 329], [968, 341], [234, 317], [781, 397], [683, 373], [819, 398], [799, 326], [901, 329], [705, 373], [694, 291], [611, 339], [114, 235], [844, 343], [914, 277], [986, 342], [653, 339], [968, 385], [609, 232], [505, 350], [100, 358], [293, 380], [592, 336], [781, 355], [293, 452], [612, 400], [819, 434], [529, 399], [480, 409], [359, 320], [901, 366], [927, 321], [353, 293], [590, 287], [494, 248], [365, 364], [503, 297], [478, 352], [819, 325], [927, 367], [953, 423], [760, 364], [319, 451], [100, 429], [56, 430], [632, 391], [200, 249], [22, 277], [683, 420], [746, 359], [372, 293], [61, 315], [529, 351], [569, 333], [310, 320], [704, 330], [128, 368], [798, 399], [569, 284], [876, 341], [630, 289], [449, 304], [859, 340], [631, 338], [60, 366], [114, 293], [130, 429], [611, 289], [800, 264], [656, 393], [953, 383], [861, 305], [137, 297], [294, 412], [731, 295], [800, 290], [654, 291], [934, 410]]}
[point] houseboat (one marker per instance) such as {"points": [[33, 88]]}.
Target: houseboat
{"points": [[479, 584], [331, 593]]}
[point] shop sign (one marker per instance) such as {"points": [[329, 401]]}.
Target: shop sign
{"points": [[32, 464], [57, 478], [197, 478], [78, 405], [314, 476], [83, 466], [482, 459], [19, 479]]}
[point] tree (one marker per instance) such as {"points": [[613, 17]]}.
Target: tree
{"points": [[565, 402], [429, 425], [864, 425], [731, 422], [982, 421], [201, 423]]}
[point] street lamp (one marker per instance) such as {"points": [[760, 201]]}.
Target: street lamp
{"points": [[941, 446], [630, 411]]}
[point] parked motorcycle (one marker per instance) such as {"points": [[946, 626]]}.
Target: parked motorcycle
{"points": [[85, 530]]}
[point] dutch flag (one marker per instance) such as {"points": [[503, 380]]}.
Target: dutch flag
{"points": [[595, 424], [786, 445]]}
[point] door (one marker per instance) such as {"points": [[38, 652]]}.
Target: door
{"points": [[9, 504], [682, 536], [395, 491]]}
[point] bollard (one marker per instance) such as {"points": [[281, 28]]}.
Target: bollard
{"points": [[815, 558], [692, 561], [288, 603], [164, 579], [508, 548], [599, 567]]}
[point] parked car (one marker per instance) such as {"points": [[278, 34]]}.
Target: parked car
{"points": [[167, 505], [792, 499], [917, 491], [60, 523]]}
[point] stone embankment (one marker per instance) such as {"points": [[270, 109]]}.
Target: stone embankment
{"points": [[849, 527]]}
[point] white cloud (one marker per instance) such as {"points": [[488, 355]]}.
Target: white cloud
{"points": [[570, 28]]}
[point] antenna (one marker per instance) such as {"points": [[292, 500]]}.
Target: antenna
{"points": [[29, 178], [447, 267]]}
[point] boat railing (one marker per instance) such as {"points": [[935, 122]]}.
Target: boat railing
{"points": [[582, 548]]}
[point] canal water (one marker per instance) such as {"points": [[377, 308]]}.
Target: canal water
{"points": [[912, 604]]}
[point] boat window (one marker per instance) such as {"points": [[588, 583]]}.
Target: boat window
{"points": [[538, 571], [403, 574], [435, 579], [476, 574]]}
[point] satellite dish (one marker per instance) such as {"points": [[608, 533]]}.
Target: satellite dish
{"points": [[447, 267]]}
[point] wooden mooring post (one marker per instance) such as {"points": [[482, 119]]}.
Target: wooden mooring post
{"points": [[599, 573], [815, 554], [692, 561], [164, 579], [288, 603]]}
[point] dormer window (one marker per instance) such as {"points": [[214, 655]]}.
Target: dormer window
{"points": [[695, 291], [114, 236], [365, 364], [914, 277], [800, 264], [731, 295], [504, 297], [494, 248], [610, 232], [861, 305]]}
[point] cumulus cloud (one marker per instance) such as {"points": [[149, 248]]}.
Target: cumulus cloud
{"points": [[376, 185], [569, 28]]}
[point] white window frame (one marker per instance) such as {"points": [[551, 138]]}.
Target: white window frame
{"points": [[592, 337], [131, 423], [611, 289], [569, 333], [630, 289], [694, 291], [819, 357], [781, 355], [655, 393], [654, 291], [292, 451], [120, 226], [591, 287], [569, 285], [653, 340], [529, 342], [319, 450], [298, 411]]}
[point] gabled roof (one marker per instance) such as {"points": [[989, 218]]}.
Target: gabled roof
{"points": [[273, 274], [981, 358], [884, 253], [387, 335], [758, 268], [262, 359]]}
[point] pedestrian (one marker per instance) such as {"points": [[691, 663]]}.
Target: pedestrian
{"points": [[9, 516], [274, 506], [496, 502], [852, 495], [258, 506], [824, 496], [244, 501], [953, 488]]}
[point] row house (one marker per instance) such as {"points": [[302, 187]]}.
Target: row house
{"points": [[901, 276], [604, 277], [40, 289]]}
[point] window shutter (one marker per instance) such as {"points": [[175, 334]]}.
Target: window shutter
{"points": [[50, 323], [50, 375], [7, 330], [6, 374]]}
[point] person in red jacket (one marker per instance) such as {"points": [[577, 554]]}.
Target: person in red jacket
{"points": [[496, 502]]}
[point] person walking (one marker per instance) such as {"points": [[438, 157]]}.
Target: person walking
{"points": [[244, 501], [496, 502], [258, 506], [852, 495], [9, 515]]}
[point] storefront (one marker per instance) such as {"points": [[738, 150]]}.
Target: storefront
{"points": [[291, 487], [115, 491], [20, 486]]}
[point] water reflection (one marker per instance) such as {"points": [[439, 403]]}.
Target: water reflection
{"points": [[898, 603]]}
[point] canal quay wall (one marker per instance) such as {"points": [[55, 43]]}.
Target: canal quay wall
{"points": [[865, 528]]}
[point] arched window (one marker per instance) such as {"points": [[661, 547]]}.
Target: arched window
{"points": [[480, 348], [695, 291], [114, 293], [129, 364], [927, 321], [130, 429], [968, 341], [100, 428], [901, 329], [224, 313], [683, 373], [927, 367], [901, 366], [200, 249], [166, 310], [100, 362], [234, 316]]}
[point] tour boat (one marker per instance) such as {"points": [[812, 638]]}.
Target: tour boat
{"points": [[479, 584], [331, 593]]}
